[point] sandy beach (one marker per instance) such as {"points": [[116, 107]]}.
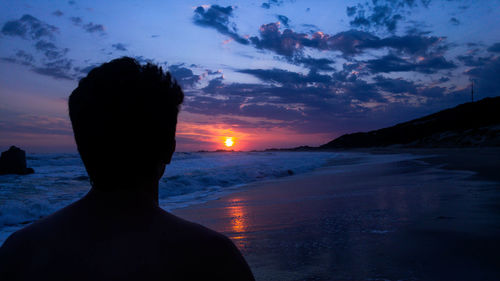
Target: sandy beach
{"points": [[432, 216]]}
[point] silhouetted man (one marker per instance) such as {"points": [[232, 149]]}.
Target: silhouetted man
{"points": [[124, 117]]}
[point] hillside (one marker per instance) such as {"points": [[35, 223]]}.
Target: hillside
{"points": [[469, 124]]}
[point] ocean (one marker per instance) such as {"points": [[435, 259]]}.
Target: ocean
{"points": [[191, 178]]}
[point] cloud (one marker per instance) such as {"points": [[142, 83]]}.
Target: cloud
{"points": [[352, 42], [409, 44], [86, 69], [443, 79], [53, 61], [37, 124], [454, 21], [393, 63], [397, 86], [485, 77], [315, 63], [270, 3], [29, 27], [283, 19], [119, 47], [351, 11], [286, 43], [89, 27], [92, 28], [314, 103], [217, 17], [286, 77], [59, 69], [57, 13], [471, 59], [184, 75], [21, 57], [382, 14], [495, 48], [50, 50], [76, 20]]}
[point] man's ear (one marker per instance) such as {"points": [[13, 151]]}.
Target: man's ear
{"points": [[168, 155]]}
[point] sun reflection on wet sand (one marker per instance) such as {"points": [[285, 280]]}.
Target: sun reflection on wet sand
{"points": [[238, 220]]}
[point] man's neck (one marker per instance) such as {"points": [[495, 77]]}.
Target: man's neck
{"points": [[143, 196]]}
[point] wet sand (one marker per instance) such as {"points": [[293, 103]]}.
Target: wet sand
{"points": [[405, 220]]}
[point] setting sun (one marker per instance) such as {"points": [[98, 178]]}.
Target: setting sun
{"points": [[229, 142]]}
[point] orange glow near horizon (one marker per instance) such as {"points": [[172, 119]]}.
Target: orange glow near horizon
{"points": [[212, 134]]}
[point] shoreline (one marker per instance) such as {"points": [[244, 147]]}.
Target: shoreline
{"points": [[356, 224]]}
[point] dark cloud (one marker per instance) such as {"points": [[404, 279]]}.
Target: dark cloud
{"points": [[283, 19], [485, 77], [57, 13], [270, 3], [285, 43], [351, 42], [143, 60], [495, 48], [454, 21], [393, 63], [351, 11], [21, 57], [36, 124], [184, 75], [473, 60], [119, 47], [302, 104], [76, 20], [312, 28], [286, 77], [401, 86], [314, 63], [50, 50], [382, 14], [396, 86], [217, 17], [85, 70], [443, 79], [92, 28], [29, 27], [410, 44], [213, 72], [59, 69], [432, 92], [310, 109], [28, 58]]}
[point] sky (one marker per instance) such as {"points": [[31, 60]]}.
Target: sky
{"points": [[268, 74]]}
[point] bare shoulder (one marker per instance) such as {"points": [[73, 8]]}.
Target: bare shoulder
{"points": [[14, 252], [22, 246]]}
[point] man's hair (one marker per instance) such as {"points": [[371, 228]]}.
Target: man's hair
{"points": [[124, 117]]}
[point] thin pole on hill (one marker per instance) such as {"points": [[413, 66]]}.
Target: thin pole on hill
{"points": [[472, 91]]}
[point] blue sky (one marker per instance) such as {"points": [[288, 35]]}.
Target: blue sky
{"points": [[271, 73]]}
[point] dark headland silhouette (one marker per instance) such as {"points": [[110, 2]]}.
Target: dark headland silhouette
{"points": [[124, 118], [472, 124], [469, 124], [13, 161]]}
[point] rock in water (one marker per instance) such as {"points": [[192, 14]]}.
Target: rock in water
{"points": [[13, 161]]}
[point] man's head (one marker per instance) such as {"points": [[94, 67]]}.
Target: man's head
{"points": [[124, 117]]}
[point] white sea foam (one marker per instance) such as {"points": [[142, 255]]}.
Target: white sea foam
{"points": [[191, 178]]}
